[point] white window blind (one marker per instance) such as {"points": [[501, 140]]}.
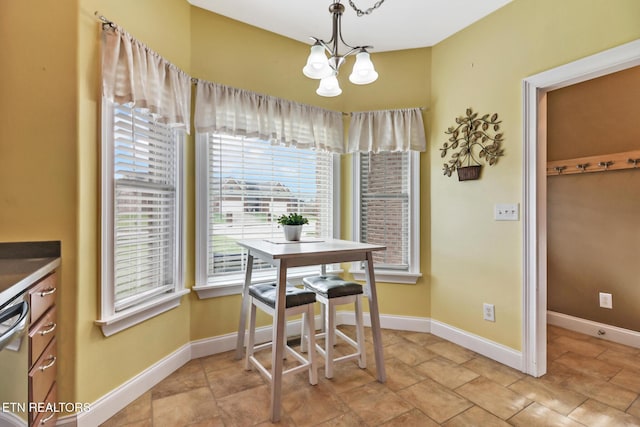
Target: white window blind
{"points": [[384, 207], [146, 207], [250, 183]]}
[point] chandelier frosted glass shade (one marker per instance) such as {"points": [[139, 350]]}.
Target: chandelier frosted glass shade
{"points": [[317, 66], [329, 86], [363, 71]]}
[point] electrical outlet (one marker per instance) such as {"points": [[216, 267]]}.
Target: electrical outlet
{"points": [[489, 312], [606, 300], [506, 212]]}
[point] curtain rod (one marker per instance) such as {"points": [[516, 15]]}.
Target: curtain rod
{"points": [[408, 108], [104, 20]]}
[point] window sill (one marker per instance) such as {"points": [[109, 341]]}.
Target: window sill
{"points": [[232, 285], [389, 276], [138, 314]]}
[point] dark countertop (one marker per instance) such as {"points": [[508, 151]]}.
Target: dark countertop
{"points": [[24, 263]]}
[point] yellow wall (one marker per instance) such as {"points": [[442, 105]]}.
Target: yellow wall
{"points": [[475, 259], [38, 155], [49, 167]]}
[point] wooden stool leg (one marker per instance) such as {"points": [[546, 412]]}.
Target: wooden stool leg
{"points": [[329, 338], [303, 331], [323, 316], [284, 342], [311, 327], [252, 335], [362, 361]]}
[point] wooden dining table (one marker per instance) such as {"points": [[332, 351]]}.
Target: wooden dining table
{"points": [[306, 252]]}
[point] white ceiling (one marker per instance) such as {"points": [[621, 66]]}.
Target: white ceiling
{"points": [[397, 24]]}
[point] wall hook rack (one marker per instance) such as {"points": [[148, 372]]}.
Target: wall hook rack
{"points": [[605, 162]]}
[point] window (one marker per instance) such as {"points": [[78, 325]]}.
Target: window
{"points": [[387, 212], [244, 185], [142, 223]]}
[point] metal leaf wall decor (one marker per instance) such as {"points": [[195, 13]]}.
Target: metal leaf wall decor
{"points": [[472, 139]]}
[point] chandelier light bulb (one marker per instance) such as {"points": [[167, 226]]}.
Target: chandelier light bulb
{"points": [[363, 71], [317, 63], [329, 86]]}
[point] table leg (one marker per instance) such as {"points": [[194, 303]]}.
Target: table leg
{"points": [[244, 307], [279, 323], [375, 318]]}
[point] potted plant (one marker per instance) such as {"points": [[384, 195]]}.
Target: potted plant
{"points": [[472, 136], [292, 225]]}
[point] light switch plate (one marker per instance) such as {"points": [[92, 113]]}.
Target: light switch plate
{"points": [[606, 300], [506, 212]]}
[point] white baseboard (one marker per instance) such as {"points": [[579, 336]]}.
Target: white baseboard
{"points": [[491, 349], [398, 323], [112, 402], [595, 329]]}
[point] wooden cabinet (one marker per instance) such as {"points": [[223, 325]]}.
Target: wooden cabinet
{"points": [[43, 357], [47, 418], [41, 333]]}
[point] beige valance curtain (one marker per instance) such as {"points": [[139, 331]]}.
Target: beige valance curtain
{"points": [[231, 111], [134, 75], [387, 130]]}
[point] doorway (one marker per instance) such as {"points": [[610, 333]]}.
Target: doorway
{"points": [[535, 88]]}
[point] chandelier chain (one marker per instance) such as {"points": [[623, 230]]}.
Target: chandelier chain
{"points": [[361, 12]]}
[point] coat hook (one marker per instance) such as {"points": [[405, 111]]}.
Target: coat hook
{"points": [[559, 169], [605, 165], [634, 161], [583, 166]]}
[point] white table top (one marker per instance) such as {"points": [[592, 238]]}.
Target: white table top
{"points": [[279, 249]]}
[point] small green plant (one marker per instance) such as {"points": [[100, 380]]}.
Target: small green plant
{"points": [[292, 219]]}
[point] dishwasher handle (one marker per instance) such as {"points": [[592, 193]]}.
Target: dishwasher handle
{"points": [[18, 327]]}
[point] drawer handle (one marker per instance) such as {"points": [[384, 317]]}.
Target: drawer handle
{"points": [[46, 419], [52, 362], [51, 326], [47, 291]]}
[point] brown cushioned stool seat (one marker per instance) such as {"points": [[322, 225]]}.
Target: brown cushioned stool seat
{"points": [[332, 286], [267, 293], [331, 291], [297, 301]]}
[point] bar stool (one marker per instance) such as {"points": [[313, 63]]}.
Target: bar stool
{"points": [[332, 291], [297, 301]]}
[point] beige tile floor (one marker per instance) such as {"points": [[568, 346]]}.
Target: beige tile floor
{"points": [[430, 382]]}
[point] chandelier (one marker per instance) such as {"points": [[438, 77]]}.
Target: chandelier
{"points": [[326, 69]]}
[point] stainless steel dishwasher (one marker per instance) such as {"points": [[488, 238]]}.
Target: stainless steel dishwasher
{"points": [[14, 362]]}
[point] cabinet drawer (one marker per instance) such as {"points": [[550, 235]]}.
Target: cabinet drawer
{"points": [[48, 416], [43, 374], [41, 334], [42, 296]]}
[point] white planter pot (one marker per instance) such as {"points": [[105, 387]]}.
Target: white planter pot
{"points": [[292, 232]]}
